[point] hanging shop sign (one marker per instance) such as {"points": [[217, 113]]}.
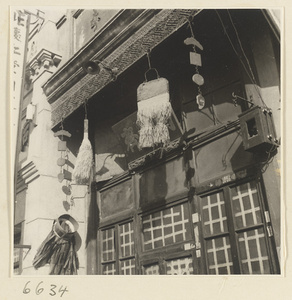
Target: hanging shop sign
{"points": [[195, 59], [154, 110]]}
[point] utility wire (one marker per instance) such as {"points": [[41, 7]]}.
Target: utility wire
{"points": [[247, 60], [249, 73]]}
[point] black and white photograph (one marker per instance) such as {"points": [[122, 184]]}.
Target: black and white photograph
{"points": [[146, 141]]}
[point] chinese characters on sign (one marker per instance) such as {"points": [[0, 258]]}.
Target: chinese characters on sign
{"points": [[18, 35]]}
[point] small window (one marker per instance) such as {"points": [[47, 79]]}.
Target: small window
{"points": [[117, 250]]}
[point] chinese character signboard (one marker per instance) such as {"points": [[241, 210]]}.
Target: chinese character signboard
{"points": [[18, 41]]}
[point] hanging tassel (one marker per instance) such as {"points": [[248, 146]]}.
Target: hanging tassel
{"points": [[154, 111], [83, 164]]}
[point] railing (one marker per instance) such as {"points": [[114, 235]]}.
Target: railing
{"points": [[20, 252]]}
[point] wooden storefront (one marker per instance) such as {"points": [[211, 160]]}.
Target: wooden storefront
{"points": [[200, 205]]}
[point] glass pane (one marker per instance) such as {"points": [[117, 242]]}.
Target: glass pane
{"points": [[213, 214], [246, 206], [126, 240], [219, 256], [109, 269], [128, 267], [16, 252], [180, 266], [166, 227], [253, 252], [151, 269], [108, 245]]}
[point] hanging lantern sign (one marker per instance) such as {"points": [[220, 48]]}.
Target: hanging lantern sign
{"points": [[154, 111]]}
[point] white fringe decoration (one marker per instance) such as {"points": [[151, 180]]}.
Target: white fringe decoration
{"points": [[152, 117], [84, 159]]}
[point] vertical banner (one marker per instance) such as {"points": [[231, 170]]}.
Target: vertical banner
{"points": [[18, 44]]}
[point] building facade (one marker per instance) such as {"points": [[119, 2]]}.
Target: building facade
{"points": [[206, 202]]}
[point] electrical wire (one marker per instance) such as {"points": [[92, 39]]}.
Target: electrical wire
{"points": [[247, 60], [251, 76]]}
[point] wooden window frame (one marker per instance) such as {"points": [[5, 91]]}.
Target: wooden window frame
{"points": [[232, 231], [162, 254], [117, 246]]}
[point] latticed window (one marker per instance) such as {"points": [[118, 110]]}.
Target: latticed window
{"points": [[179, 266], [151, 269], [108, 252], [234, 231], [166, 227], [117, 248], [126, 255], [164, 234]]}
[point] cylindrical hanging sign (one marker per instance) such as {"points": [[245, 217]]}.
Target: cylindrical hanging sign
{"points": [[154, 111], [198, 79]]}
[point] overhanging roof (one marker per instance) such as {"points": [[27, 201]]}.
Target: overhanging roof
{"points": [[70, 87]]}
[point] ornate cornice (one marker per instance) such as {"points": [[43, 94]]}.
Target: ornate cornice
{"points": [[110, 37], [44, 61], [66, 95]]}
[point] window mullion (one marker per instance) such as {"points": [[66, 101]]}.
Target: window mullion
{"points": [[117, 249], [232, 232], [204, 265], [271, 247]]}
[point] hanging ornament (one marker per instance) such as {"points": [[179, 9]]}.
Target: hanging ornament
{"points": [[154, 110], [198, 79], [62, 162], [200, 101], [195, 59], [59, 248], [84, 161]]}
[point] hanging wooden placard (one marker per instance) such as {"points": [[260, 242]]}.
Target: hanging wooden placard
{"points": [[62, 146], [195, 59]]}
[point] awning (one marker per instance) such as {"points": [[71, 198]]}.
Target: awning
{"points": [[148, 36]]}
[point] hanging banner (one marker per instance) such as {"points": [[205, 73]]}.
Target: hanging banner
{"points": [[18, 43]]}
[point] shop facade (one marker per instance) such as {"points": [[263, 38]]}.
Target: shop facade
{"points": [[206, 202]]}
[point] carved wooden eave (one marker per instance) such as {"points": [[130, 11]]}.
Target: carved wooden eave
{"points": [[117, 45]]}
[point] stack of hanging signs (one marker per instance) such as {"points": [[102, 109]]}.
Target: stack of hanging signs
{"points": [[59, 248], [154, 111]]}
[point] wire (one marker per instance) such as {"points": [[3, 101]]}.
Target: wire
{"points": [[251, 76], [247, 60]]}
